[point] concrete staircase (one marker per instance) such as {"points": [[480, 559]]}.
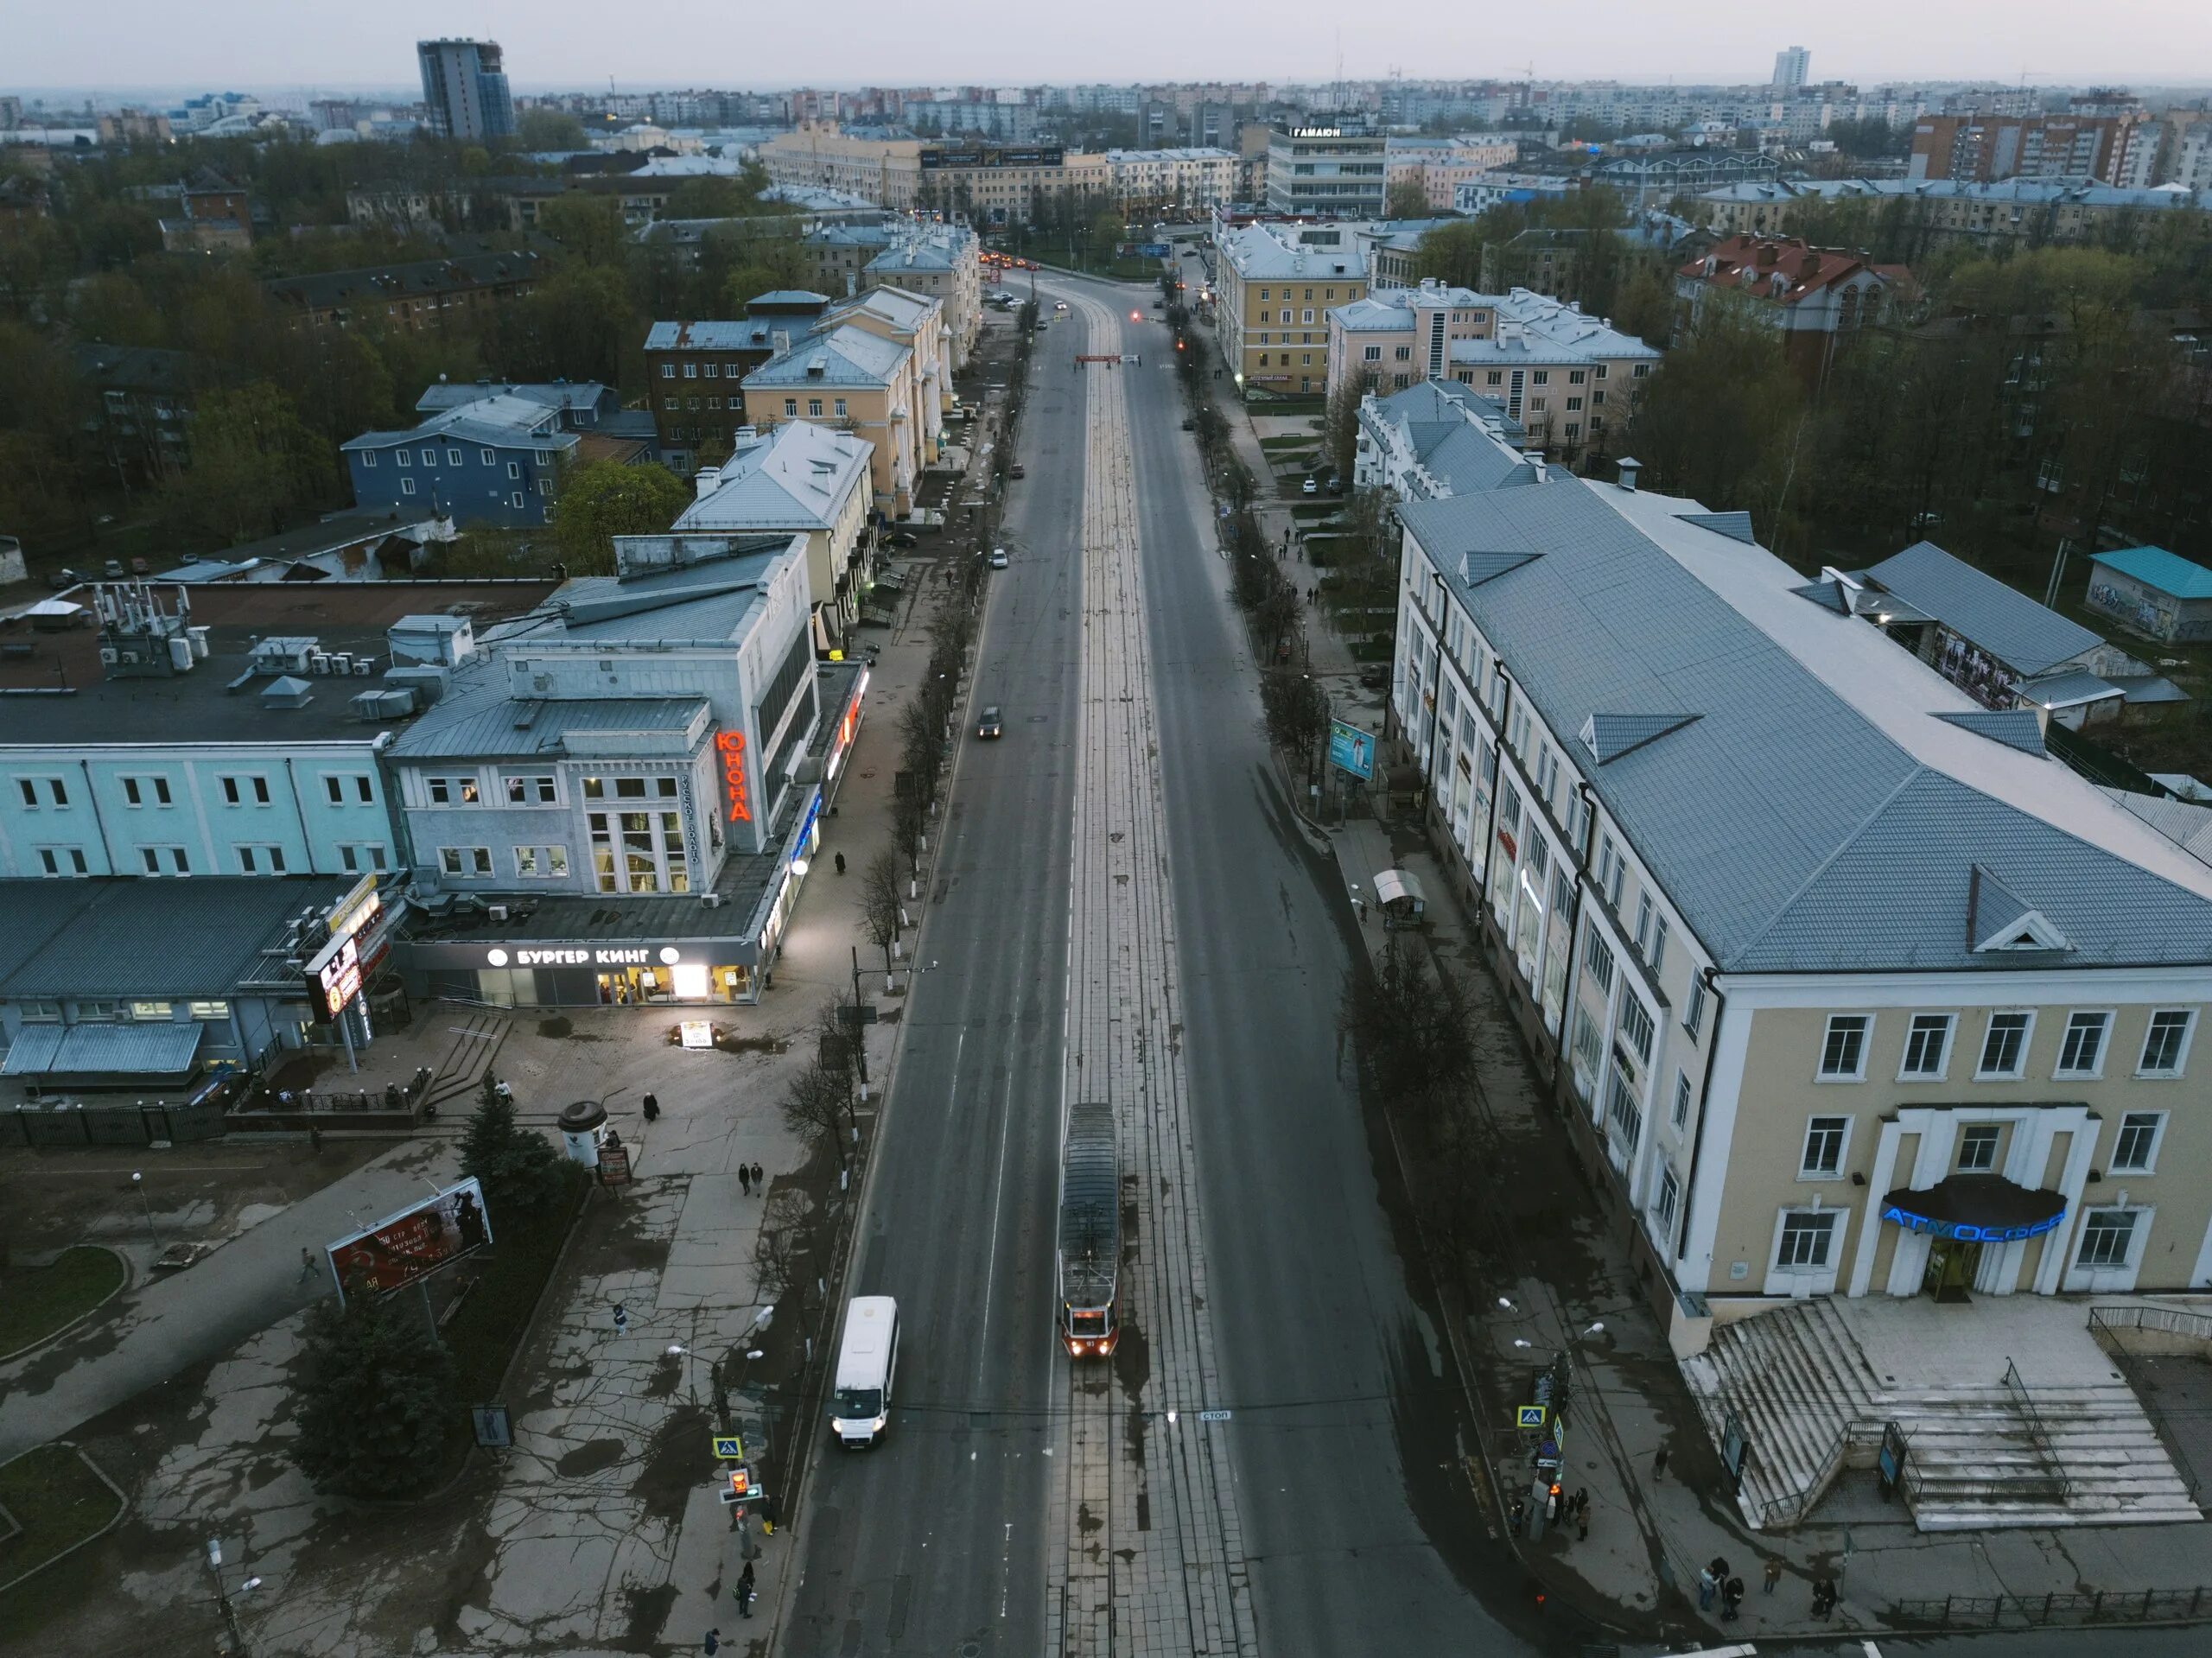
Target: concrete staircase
{"points": [[1979, 1456]]}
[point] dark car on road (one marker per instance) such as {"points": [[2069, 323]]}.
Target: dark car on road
{"points": [[987, 726]]}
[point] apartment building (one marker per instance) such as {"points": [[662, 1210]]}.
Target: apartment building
{"points": [[816, 152], [1568, 381], [1845, 984], [1274, 285], [1812, 296], [1439, 166], [2118, 149], [423, 293], [1327, 166], [799, 478], [697, 371], [2032, 212], [942, 262], [844, 375], [498, 460], [465, 89], [1174, 183]]}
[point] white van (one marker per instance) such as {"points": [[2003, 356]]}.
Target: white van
{"points": [[860, 1399]]}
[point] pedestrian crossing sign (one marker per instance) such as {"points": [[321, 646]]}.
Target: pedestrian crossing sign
{"points": [[729, 1447], [1530, 1416]]}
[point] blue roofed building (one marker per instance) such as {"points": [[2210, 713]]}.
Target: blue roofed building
{"points": [[496, 460]]}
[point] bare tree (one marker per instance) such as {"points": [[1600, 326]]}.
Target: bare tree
{"points": [[880, 911], [778, 1245], [817, 1108], [1411, 1022], [910, 824]]}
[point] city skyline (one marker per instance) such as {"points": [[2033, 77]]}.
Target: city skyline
{"points": [[134, 45]]}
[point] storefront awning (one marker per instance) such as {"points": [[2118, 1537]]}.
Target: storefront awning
{"points": [[1975, 1208], [103, 1051]]}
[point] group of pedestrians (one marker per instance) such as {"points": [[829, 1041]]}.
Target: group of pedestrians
{"points": [[1716, 1582], [750, 1180]]}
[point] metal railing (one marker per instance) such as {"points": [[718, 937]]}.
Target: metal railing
{"points": [[2106, 1323], [2029, 1611], [2039, 1435], [1780, 1512]]}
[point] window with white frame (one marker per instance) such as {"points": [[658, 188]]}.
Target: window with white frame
{"points": [[530, 790], [2083, 1052], [151, 1012], [1693, 1012], [175, 858], [1670, 1198], [1587, 1047], [1808, 1237], [541, 863], [245, 790], [1927, 1048], [335, 786], [1843, 1050], [1658, 943], [1825, 1137], [62, 860], [2166, 1043], [260, 860], [1635, 1028], [1624, 1113], [2135, 1148], [452, 791], [146, 792], [210, 1010], [465, 860], [1978, 1148], [1682, 1116], [2107, 1237], [2005, 1045]]}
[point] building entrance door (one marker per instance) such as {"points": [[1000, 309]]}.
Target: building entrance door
{"points": [[1951, 1269]]}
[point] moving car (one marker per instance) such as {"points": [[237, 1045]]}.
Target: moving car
{"points": [[998, 558], [867, 1362], [1017, 470], [987, 726], [902, 538], [1060, 305]]}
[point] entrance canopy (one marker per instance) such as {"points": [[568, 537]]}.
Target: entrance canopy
{"points": [[1392, 885], [1975, 1208], [166, 1050]]}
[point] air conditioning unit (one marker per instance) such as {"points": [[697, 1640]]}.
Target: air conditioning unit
{"points": [[362, 665], [107, 656], [713, 900], [498, 911], [319, 663]]}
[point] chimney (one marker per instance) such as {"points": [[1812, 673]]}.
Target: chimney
{"points": [[1534, 458], [1628, 469]]}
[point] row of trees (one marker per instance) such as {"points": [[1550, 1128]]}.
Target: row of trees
{"points": [[2049, 400]]}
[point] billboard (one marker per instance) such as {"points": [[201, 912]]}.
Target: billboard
{"points": [[334, 978], [402, 1248], [1352, 749]]}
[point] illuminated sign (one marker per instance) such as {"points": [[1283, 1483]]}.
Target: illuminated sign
{"points": [[416, 1241], [336, 973], [357, 909], [731, 747], [1965, 1232], [612, 956]]}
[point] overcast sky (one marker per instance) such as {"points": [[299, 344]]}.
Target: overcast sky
{"points": [[217, 44]]}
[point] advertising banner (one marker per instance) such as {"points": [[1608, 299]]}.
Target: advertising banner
{"points": [[1351, 750], [404, 1247]]}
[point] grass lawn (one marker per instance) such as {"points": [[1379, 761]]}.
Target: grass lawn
{"points": [[1325, 550], [1287, 441], [1315, 509], [35, 1301], [59, 1502]]}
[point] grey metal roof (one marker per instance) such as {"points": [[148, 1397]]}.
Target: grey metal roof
{"points": [[1611, 736], [145, 1049], [1737, 526], [484, 720], [2020, 728], [2071, 689], [500, 420], [1794, 833], [797, 476], [2001, 620], [848, 357], [195, 935]]}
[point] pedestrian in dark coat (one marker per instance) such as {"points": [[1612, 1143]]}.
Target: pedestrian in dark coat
{"points": [[745, 1179], [760, 1181], [652, 1108], [1582, 1522], [1773, 1576], [1732, 1598], [1659, 1464], [714, 1642], [841, 863]]}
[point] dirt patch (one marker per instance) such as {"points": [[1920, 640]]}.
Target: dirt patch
{"points": [[558, 1027], [647, 1609]]}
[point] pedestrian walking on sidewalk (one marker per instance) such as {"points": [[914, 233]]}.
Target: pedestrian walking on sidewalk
{"points": [[744, 1577], [760, 1181], [307, 1263], [713, 1643], [1582, 1522], [652, 1108], [745, 1179], [841, 863], [1706, 1585], [1824, 1596], [1773, 1576], [1659, 1464], [1732, 1599]]}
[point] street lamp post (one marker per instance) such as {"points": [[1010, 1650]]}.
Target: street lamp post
{"points": [[236, 1636], [138, 1185]]}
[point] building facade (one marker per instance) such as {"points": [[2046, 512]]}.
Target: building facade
{"points": [[419, 295], [1813, 296], [697, 371], [847, 377], [498, 460], [1800, 1080], [1327, 166], [1273, 287], [2119, 149], [465, 88]]}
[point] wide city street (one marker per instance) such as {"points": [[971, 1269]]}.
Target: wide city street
{"points": [[1131, 910]]}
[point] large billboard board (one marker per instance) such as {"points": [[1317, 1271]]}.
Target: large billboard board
{"points": [[405, 1247]]}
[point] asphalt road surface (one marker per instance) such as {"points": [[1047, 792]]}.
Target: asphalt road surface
{"points": [[1348, 1425]]}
